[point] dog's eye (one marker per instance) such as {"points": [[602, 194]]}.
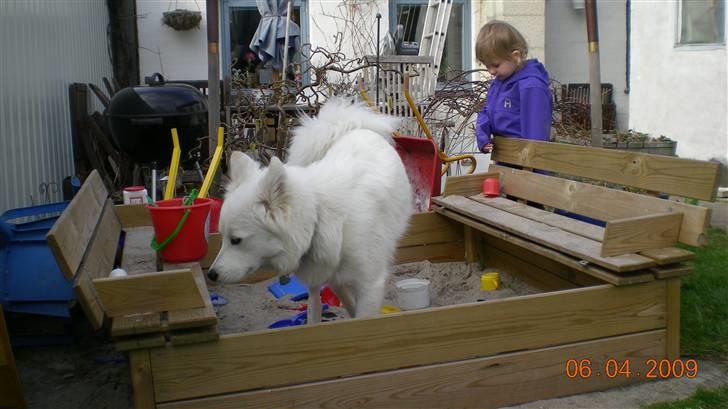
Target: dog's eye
{"points": [[235, 240]]}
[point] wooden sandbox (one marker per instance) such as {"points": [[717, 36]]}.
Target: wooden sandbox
{"points": [[607, 309]]}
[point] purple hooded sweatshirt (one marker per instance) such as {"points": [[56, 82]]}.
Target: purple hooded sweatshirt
{"points": [[519, 106]]}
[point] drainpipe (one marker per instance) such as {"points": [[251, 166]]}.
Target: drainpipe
{"points": [[595, 85], [213, 74], [628, 12]]}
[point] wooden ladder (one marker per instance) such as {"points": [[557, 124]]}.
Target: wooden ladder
{"points": [[434, 31]]}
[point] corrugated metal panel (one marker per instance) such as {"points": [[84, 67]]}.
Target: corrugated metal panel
{"points": [[46, 46]]}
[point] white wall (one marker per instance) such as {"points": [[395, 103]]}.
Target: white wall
{"points": [[183, 54], [567, 58], [180, 55], [676, 92]]}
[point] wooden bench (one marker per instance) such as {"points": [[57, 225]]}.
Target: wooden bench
{"points": [[149, 309], [641, 230]]}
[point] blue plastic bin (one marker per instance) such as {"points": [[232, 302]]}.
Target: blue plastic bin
{"points": [[30, 279]]}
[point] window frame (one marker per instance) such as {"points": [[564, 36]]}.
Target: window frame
{"points": [[693, 46], [228, 5], [466, 46]]}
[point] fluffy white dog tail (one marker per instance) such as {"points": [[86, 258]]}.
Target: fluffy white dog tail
{"points": [[336, 118]]}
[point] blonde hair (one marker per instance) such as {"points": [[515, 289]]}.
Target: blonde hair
{"points": [[497, 40]]}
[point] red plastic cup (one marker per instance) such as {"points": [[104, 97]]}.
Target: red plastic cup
{"points": [[491, 187]]}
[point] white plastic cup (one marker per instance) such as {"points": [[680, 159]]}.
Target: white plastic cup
{"points": [[135, 195], [413, 293]]}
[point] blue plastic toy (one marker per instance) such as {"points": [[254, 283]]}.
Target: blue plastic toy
{"points": [[293, 287], [298, 319], [217, 299]]}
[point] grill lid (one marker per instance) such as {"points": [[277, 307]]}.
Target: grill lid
{"points": [[159, 99]]}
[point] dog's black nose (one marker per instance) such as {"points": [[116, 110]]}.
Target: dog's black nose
{"points": [[212, 275]]}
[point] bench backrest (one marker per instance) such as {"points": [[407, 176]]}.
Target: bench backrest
{"points": [[663, 174], [84, 241], [653, 173]]}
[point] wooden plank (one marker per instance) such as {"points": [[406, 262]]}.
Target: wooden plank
{"points": [[641, 233], [153, 292], [677, 176], [195, 317], [676, 270], [136, 215], [587, 230], [194, 336], [481, 383], [72, 232], [141, 379], [552, 266], [602, 203], [295, 355], [436, 253], [467, 185], [471, 245], [98, 262], [575, 277], [86, 295], [544, 234], [140, 342], [136, 324], [11, 390], [429, 228], [579, 265], [532, 274], [672, 349], [668, 255]]}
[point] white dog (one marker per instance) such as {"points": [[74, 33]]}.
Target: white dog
{"points": [[332, 215]]}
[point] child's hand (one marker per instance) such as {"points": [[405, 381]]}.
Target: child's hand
{"points": [[487, 148]]}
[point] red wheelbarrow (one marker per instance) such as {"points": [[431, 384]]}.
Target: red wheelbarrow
{"points": [[421, 157], [422, 162]]}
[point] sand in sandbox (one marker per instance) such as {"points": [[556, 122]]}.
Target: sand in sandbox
{"points": [[252, 307]]}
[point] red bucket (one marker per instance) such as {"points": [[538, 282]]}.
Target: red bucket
{"points": [[215, 207], [190, 242]]}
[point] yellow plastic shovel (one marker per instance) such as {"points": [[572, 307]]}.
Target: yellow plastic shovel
{"points": [[213, 165], [172, 178]]}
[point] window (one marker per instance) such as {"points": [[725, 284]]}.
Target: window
{"points": [[701, 22], [240, 20], [456, 53]]}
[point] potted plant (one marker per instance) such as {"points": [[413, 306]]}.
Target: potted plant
{"points": [[181, 19]]}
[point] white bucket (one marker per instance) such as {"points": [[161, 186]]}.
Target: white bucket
{"points": [[413, 293]]}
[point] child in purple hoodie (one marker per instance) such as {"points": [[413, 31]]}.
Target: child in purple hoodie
{"points": [[519, 101]]}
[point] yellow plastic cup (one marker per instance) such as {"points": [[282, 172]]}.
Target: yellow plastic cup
{"points": [[489, 281]]}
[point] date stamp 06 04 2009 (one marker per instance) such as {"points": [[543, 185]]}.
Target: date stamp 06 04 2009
{"points": [[613, 368]]}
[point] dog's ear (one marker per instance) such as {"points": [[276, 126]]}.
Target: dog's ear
{"points": [[241, 168], [273, 191]]}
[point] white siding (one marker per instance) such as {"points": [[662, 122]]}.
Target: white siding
{"points": [[677, 92], [46, 46]]}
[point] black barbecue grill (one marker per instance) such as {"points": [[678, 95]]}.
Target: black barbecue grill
{"points": [[141, 119]]}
